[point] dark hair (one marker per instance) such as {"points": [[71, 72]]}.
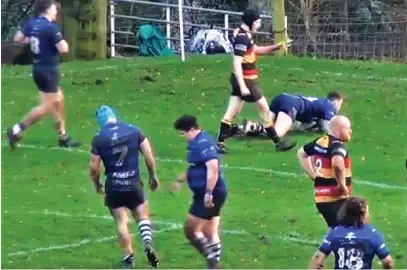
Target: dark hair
{"points": [[352, 213], [41, 6], [186, 123], [250, 16], [335, 95]]}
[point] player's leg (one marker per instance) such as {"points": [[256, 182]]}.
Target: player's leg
{"points": [[193, 232], [211, 230], [283, 123], [116, 203], [59, 113], [46, 106], [214, 247], [271, 128], [140, 210], [226, 127], [121, 219]]}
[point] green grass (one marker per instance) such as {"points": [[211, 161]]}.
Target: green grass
{"points": [[268, 205]]}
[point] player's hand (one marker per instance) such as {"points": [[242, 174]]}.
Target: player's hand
{"points": [[154, 183], [343, 189], [245, 91], [99, 188], [208, 200]]}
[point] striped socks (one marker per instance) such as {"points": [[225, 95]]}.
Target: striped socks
{"points": [[146, 232]]}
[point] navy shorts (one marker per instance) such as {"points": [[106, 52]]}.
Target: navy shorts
{"points": [[47, 80], [129, 199], [199, 210], [284, 103]]}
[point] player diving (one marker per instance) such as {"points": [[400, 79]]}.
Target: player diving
{"points": [[297, 112]]}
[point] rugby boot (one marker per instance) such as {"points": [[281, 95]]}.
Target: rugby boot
{"points": [[151, 257], [12, 138], [222, 148], [285, 145], [234, 128], [213, 263], [67, 142], [129, 261]]}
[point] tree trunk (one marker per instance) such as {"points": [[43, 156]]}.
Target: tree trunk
{"points": [[84, 26]]}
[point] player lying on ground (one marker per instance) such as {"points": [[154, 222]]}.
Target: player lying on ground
{"points": [[206, 180], [326, 161], [117, 145], [244, 82], [46, 42], [288, 110], [354, 242]]}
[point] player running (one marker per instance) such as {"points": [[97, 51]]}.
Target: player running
{"points": [[354, 242], [311, 112], [244, 82], [206, 181], [117, 145], [326, 160], [46, 43]]}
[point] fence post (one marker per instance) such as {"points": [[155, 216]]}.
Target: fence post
{"points": [[168, 26], [112, 29], [226, 21]]}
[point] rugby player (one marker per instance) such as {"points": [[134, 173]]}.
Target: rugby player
{"points": [[312, 113], [46, 43], [207, 182], [117, 145], [326, 160], [244, 82], [354, 242]]}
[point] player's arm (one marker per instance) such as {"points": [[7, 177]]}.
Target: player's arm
{"points": [[59, 41], [262, 50], [210, 156], [21, 36], [240, 47], [383, 252], [212, 172], [304, 156], [317, 261], [338, 163], [94, 169], [149, 158]]}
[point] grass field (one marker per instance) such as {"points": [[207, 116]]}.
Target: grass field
{"points": [[52, 217]]}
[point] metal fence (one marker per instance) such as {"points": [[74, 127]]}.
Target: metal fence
{"points": [[317, 34], [165, 17]]}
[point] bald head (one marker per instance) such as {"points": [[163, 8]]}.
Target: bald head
{"points": [[339, 126]]}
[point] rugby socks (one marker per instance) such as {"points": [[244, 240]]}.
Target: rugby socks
{"points": [[272, 134], [18, 128], [214, 251], [209, 249], [146, 232], [224, 130], [258, 128]]}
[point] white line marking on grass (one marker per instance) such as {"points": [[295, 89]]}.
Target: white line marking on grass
{"points": [[49, 248], [172, 226], [226, 166]]}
